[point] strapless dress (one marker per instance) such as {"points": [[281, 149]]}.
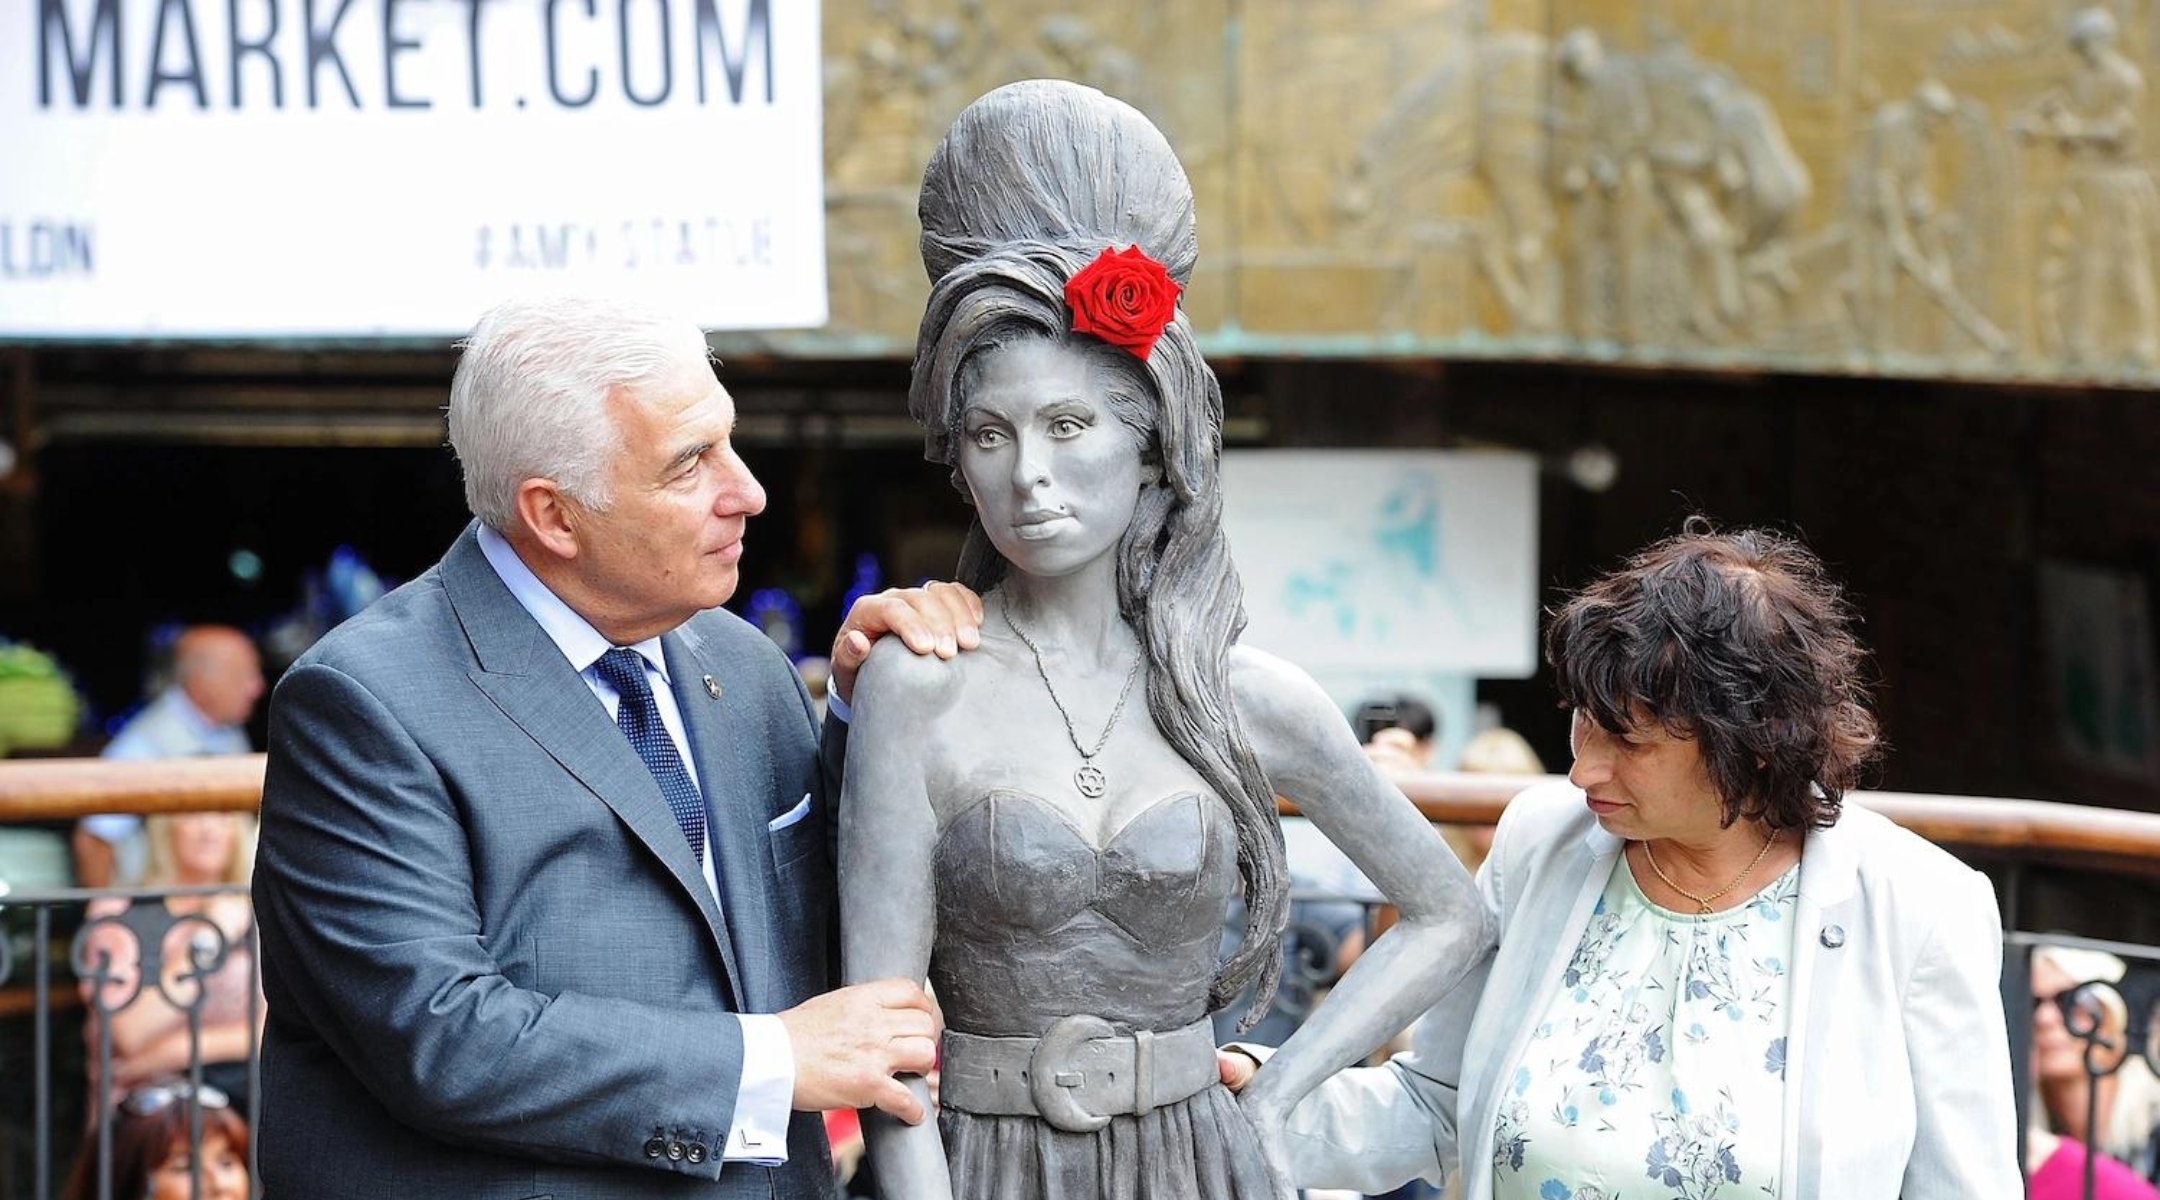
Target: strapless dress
{"points": [[1034, 923]]}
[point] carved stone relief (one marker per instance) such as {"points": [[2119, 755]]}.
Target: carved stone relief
{"points": [[1918, 186], [896, 72], [2094, 290], [1914, 248]]}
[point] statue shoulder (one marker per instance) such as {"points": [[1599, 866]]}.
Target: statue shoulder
{"points": [[896, 679], [1280, 705]]}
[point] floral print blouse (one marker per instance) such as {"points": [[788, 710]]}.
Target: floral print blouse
{"points": [[1658, 1071]]}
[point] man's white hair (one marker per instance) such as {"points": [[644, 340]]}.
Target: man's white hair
{"points": [[529, 399]]}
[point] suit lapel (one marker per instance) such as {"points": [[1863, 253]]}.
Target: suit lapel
{"points": [[1826, 880], [523, 672], [735, 773]]}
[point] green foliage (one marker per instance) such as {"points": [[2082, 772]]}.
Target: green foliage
{"points": [[38, 706]]}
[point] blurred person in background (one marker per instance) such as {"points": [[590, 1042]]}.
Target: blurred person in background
{"points": [[155, 946], [150, 1147], [1496, 751], [1399, 734], [217, 678], [2068, 1107]]}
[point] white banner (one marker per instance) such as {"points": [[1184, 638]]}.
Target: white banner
{"points": [[1396, 562], [296, 168]]}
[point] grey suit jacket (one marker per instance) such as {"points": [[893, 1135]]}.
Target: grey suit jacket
{"points": [[1898, 1065], [493, 967]]}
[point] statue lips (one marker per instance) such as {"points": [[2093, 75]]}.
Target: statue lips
{"points": [[1038, 524]]}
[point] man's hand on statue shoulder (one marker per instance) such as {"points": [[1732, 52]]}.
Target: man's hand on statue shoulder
{"points": [[936, 618]]}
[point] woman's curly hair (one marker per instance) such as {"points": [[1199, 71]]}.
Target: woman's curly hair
{"points": [[1740, 641]]}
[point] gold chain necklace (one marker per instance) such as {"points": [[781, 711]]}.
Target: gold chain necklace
{"points": [[1703, 902]]}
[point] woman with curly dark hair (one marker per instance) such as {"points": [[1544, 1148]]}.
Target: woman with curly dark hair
{"points": [[1715, 979]]}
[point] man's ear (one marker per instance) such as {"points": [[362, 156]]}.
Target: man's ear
{"points": [[550, 517], [1150, 470]]}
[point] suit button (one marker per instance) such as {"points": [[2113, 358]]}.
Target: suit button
{"points": [[655, 1146], [675, 1151], [697, 1153], [1832, 937]]}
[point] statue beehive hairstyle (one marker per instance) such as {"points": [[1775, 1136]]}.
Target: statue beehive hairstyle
{"points": [[1055, 162]]}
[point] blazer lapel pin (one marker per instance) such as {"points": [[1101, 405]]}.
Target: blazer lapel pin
{"points": [[712, 687]]}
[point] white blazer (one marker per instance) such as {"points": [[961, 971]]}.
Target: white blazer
{"points": [[1898, 1064]]}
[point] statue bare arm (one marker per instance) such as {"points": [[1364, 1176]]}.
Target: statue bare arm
{"points": [[888, 834], [1314, 759]]}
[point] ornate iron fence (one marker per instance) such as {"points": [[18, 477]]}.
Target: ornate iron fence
{"points": [[84, 962]]}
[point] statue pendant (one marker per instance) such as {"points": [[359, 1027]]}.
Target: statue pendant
{"points": [[1089, 779]]}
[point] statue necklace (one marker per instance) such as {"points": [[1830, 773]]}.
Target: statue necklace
{"points": [[1089, 778]]}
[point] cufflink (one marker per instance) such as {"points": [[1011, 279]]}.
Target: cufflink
{"points": [[712, 687], [1833, 936]]}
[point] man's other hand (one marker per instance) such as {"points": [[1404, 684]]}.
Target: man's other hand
{"points": [[849, 1045]]}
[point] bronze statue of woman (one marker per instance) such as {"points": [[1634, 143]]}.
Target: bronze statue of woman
{"points": [[1052, 827]]}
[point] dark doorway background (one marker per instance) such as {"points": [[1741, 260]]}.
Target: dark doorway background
{"points": [[136, 536]]}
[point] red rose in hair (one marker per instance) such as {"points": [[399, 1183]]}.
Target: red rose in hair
{"points": [[1125, 298]]}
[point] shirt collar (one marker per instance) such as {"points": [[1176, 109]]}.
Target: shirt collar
{"points": [[572, 634], [197, 721]]}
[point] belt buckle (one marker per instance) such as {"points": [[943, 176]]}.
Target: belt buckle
{"points": [[1053, 1085]]}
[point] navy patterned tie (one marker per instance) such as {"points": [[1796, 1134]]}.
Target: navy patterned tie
{"points": [[639, 719]]}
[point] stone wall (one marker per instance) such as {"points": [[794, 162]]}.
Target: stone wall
{"points": [[1903, 187]]}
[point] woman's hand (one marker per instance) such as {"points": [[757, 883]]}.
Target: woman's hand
{"points": [[1235, 1067]]}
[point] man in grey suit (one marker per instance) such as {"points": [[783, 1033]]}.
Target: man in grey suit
{"points": [[545, 882]]}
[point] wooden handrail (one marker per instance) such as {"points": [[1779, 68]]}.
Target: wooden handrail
{"points": [[2108, 839], [64, 789], [2033, 830]]}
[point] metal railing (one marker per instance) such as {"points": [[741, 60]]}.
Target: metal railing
{"points": [[2010, 838], [72, 970], [2089, 1012], [120, 967]]}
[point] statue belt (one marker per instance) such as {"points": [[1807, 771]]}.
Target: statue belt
{"points": [[1078, 1074]]}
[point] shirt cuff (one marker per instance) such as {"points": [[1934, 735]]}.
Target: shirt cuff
{"points": [[839, 709], [764, 1098]]}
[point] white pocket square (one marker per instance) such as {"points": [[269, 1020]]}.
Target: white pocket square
{"points": [[797, 813]]}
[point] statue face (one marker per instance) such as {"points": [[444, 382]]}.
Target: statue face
{"points": [[1055, 475]]}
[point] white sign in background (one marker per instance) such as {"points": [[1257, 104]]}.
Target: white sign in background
{"points": [[1387, 564], [294, 168]]}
